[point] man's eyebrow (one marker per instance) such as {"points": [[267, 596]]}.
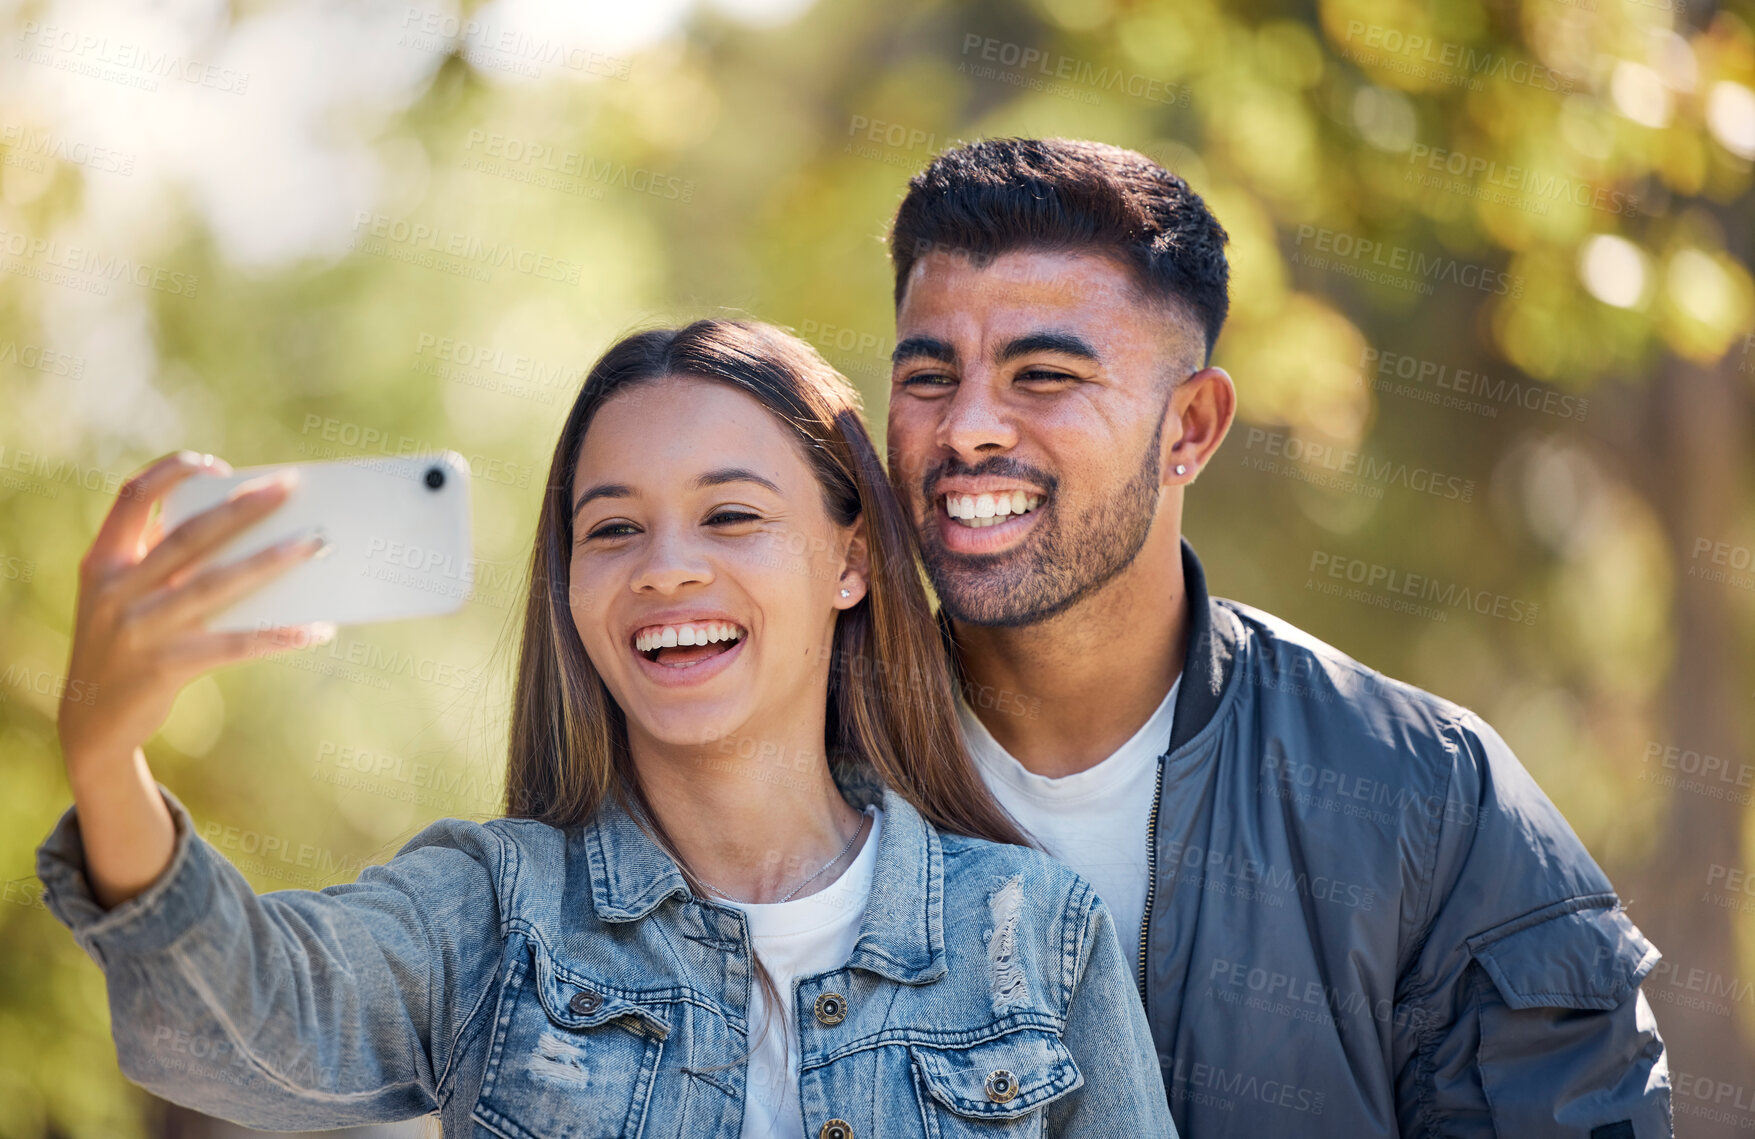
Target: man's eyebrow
{"points": [[708, 478], [1064, 343], [928, 346]]}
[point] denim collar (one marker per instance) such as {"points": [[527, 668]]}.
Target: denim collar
{"points": [[901, 936]]}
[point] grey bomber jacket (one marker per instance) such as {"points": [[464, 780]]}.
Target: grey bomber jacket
{"points": [[1364, 917]]}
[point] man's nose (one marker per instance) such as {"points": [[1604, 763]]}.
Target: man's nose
{"points": [[975, 422]]}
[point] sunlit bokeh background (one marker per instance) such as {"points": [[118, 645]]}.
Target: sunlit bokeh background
{"points": [[1492, 327]]}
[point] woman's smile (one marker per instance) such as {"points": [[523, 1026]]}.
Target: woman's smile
{"points": [[689, 652]]}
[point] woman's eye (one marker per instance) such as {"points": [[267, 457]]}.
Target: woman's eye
{"points": [[733, 516], [608, 530], [928, 380]]}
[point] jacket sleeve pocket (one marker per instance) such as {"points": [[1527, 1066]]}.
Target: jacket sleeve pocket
{"points": [[1567, 1044]]}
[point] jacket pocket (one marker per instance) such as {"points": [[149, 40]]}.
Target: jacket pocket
{"points": [[993, 1088], [1561, 1047], [570, 1058]]}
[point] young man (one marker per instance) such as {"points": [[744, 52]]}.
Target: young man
{"points": [[1356, 913]]}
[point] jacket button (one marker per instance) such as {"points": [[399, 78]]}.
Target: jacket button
{"points": [[836, 1129], [1001, 1086], [831, 1009], [585, 1001]]}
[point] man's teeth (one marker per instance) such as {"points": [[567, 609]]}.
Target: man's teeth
{"points": [[691, 633], [990, 509]]}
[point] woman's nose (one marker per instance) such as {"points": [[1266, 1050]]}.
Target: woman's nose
{"points": [[670, 561]]}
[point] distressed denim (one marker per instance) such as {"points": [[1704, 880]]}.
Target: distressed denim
{"points": [[523, 981]]}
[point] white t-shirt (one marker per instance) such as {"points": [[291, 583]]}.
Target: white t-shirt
{"points": [[1094, 820], [812, 934]]}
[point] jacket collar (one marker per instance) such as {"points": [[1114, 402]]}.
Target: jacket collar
{"points": [[1206, 664], [1212, 651], [900, 937]]}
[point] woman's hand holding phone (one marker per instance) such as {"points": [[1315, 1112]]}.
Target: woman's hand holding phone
{"points": [[139, 639]]}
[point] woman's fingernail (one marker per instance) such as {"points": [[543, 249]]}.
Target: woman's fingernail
{"points": [[305, 537], [322, 632]]}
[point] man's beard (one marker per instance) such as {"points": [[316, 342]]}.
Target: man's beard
{"points": [[1064, 559]]}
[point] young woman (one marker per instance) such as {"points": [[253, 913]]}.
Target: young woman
{"points": [[749, 883]]}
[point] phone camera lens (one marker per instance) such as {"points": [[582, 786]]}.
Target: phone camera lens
{"points": [[435, 477]]}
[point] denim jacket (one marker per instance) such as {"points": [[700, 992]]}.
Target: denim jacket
{"points": [[524, 981]]}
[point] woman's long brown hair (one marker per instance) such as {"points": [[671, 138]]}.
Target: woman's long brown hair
{"points": [[891, 711]]}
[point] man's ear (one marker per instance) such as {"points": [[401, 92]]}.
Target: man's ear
{"points": [[1196, 419], [855, 567]]}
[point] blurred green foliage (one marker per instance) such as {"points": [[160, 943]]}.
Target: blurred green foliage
{"points": [[1503, 250]]}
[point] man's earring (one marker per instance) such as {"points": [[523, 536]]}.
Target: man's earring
{"points": [[846, 593], [1181, 469]]}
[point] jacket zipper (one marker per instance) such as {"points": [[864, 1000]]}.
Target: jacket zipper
{"points": [[1151, 874]]}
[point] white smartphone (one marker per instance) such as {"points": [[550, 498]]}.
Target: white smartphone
{"points": [[398, 527]]}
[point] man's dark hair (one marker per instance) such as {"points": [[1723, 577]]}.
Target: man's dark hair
{"points": [[999, 195]]}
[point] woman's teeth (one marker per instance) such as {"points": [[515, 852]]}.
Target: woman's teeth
{"points": [[989, 509], [691, 633]]}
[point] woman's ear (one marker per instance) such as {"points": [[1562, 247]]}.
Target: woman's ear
{"points": [[855, 567]]}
